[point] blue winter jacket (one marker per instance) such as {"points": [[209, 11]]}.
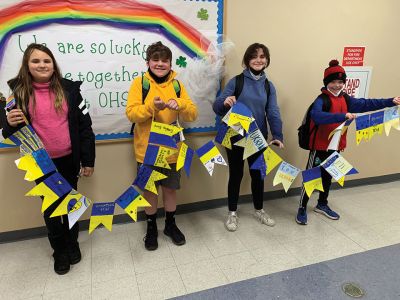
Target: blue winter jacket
{"points": [[254, 97]]}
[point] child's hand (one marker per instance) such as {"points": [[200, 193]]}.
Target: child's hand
{"points": [[277, 143], [159, 104], [350, 116], [396, 100], [230, 101], [86, 171], [15, 117], [172, 104]]}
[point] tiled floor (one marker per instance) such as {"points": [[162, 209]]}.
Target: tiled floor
{"points": [[116, 266]]}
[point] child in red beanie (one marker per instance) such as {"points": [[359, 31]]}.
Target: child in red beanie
{"points": [[342, 107]]}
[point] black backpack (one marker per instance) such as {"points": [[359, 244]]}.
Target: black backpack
{"points": [[304, 132], [239, 82], [146, 89]]}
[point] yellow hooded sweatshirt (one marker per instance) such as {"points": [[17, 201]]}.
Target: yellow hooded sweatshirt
{"points": [[142, 113]]}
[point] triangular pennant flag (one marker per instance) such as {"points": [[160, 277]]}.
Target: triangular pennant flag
{"points": [[224, 135], [253, 142], [36, 164], [271, 159], [286, 174], [185, 158], [337, 166], [157, 156], [130, 200], [237, 128], [336, 134], [162, 134], [376, 123], [25, 137], [52, 189], [67, 203], [210, 155], [77, 210], [259, 164], [312, 180], [240, 114], [102, 213], [392, 119], [146, 179], [362, 128]]}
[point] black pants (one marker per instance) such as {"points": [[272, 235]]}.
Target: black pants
{"points": [[60, 236], [315, 158], [236, 166]]}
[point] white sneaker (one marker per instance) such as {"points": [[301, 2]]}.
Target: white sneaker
{"points": [[232, 222], [264, 218]]}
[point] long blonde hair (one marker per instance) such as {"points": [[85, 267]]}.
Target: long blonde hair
{"points": [[23, 90]]}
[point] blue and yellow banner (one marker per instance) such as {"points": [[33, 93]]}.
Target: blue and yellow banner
{"points": [[157, 156], [392, 119], [102, 213], [224, 135], [376, 123], [210, 155], [362, 128], [146, 179], [185, 158], [240, 114], [130, 200], [312, 180], [67, 204], [36, 164], [286, 174], [162, 134], [51, 189], [266, 162], [26, 138]]}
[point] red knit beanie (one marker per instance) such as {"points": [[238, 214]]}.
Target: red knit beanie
{"points": [[334, 72]]}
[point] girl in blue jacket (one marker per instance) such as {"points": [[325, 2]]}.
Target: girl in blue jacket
{"points": [[264, 108]]}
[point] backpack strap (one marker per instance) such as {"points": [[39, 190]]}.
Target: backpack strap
{"points": [[177, 87]]}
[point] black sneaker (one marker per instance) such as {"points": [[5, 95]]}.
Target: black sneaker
{"points": [[150, 240], [61, 263], [175, 234], [74, 254]]}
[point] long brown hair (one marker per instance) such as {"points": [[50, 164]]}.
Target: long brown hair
{"points": [[23, 90]]}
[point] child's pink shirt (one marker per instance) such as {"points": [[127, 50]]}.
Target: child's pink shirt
{"points": [[50, 125]]}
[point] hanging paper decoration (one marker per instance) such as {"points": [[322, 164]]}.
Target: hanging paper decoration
{"points": [[336, 134], [240, 114], [130, 200], [76, 211], [286, 174], [224, 135], [26, 138], [391, 119], [376, 123], [312, 180], [266, 162], [36, 164], [337, 167], [362, 128], [253, 142], [67, 204], [162, 134], [185, 158], [102, 213], [146, 179], [157, 156], [51, 189], [210, 155]]}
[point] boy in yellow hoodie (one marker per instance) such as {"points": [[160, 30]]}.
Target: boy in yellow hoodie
{"points": [[163, 105]]}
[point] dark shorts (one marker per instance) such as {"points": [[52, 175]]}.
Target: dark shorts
{"points": [[173, 181]]}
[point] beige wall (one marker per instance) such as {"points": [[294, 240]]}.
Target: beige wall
{"points": [[302, 36]]}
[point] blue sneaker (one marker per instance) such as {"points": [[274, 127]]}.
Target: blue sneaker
{"points": [[327, 211], [301, 217]]}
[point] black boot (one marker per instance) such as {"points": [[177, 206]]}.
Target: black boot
{"points": [[74, 253], [61, 263], [150, 240], [172, 230]]}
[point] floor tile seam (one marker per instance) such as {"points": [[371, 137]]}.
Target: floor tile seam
{"points": [[118, 253]]}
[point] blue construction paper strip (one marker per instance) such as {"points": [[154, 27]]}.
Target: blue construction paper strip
{"points": [[188, 161], [253, 126], [352, 172], [330, 161], [151, 154], [222, 130], [376, 118], [58, 184], [205, 148], [241, 109], [15, 140], [362, 122], [348, 122], [127, 197], [103, 209], [143, 176], [44, 161], [311, 174], [162, 139]]}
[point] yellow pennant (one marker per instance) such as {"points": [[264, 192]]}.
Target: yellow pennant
{"points": [[49, 197], [155, 176], [162, 155], [210, 155], [377, 129], [362, 135], [239, 119], [181, 156], [106, 220], [132, 208], [341, 181], [312, 185], [271, 159], [166, 129], [64, 208], [28, 163], [226, 142]]}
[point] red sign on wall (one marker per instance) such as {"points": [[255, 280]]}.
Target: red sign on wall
{"points": [[353, 56]]}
